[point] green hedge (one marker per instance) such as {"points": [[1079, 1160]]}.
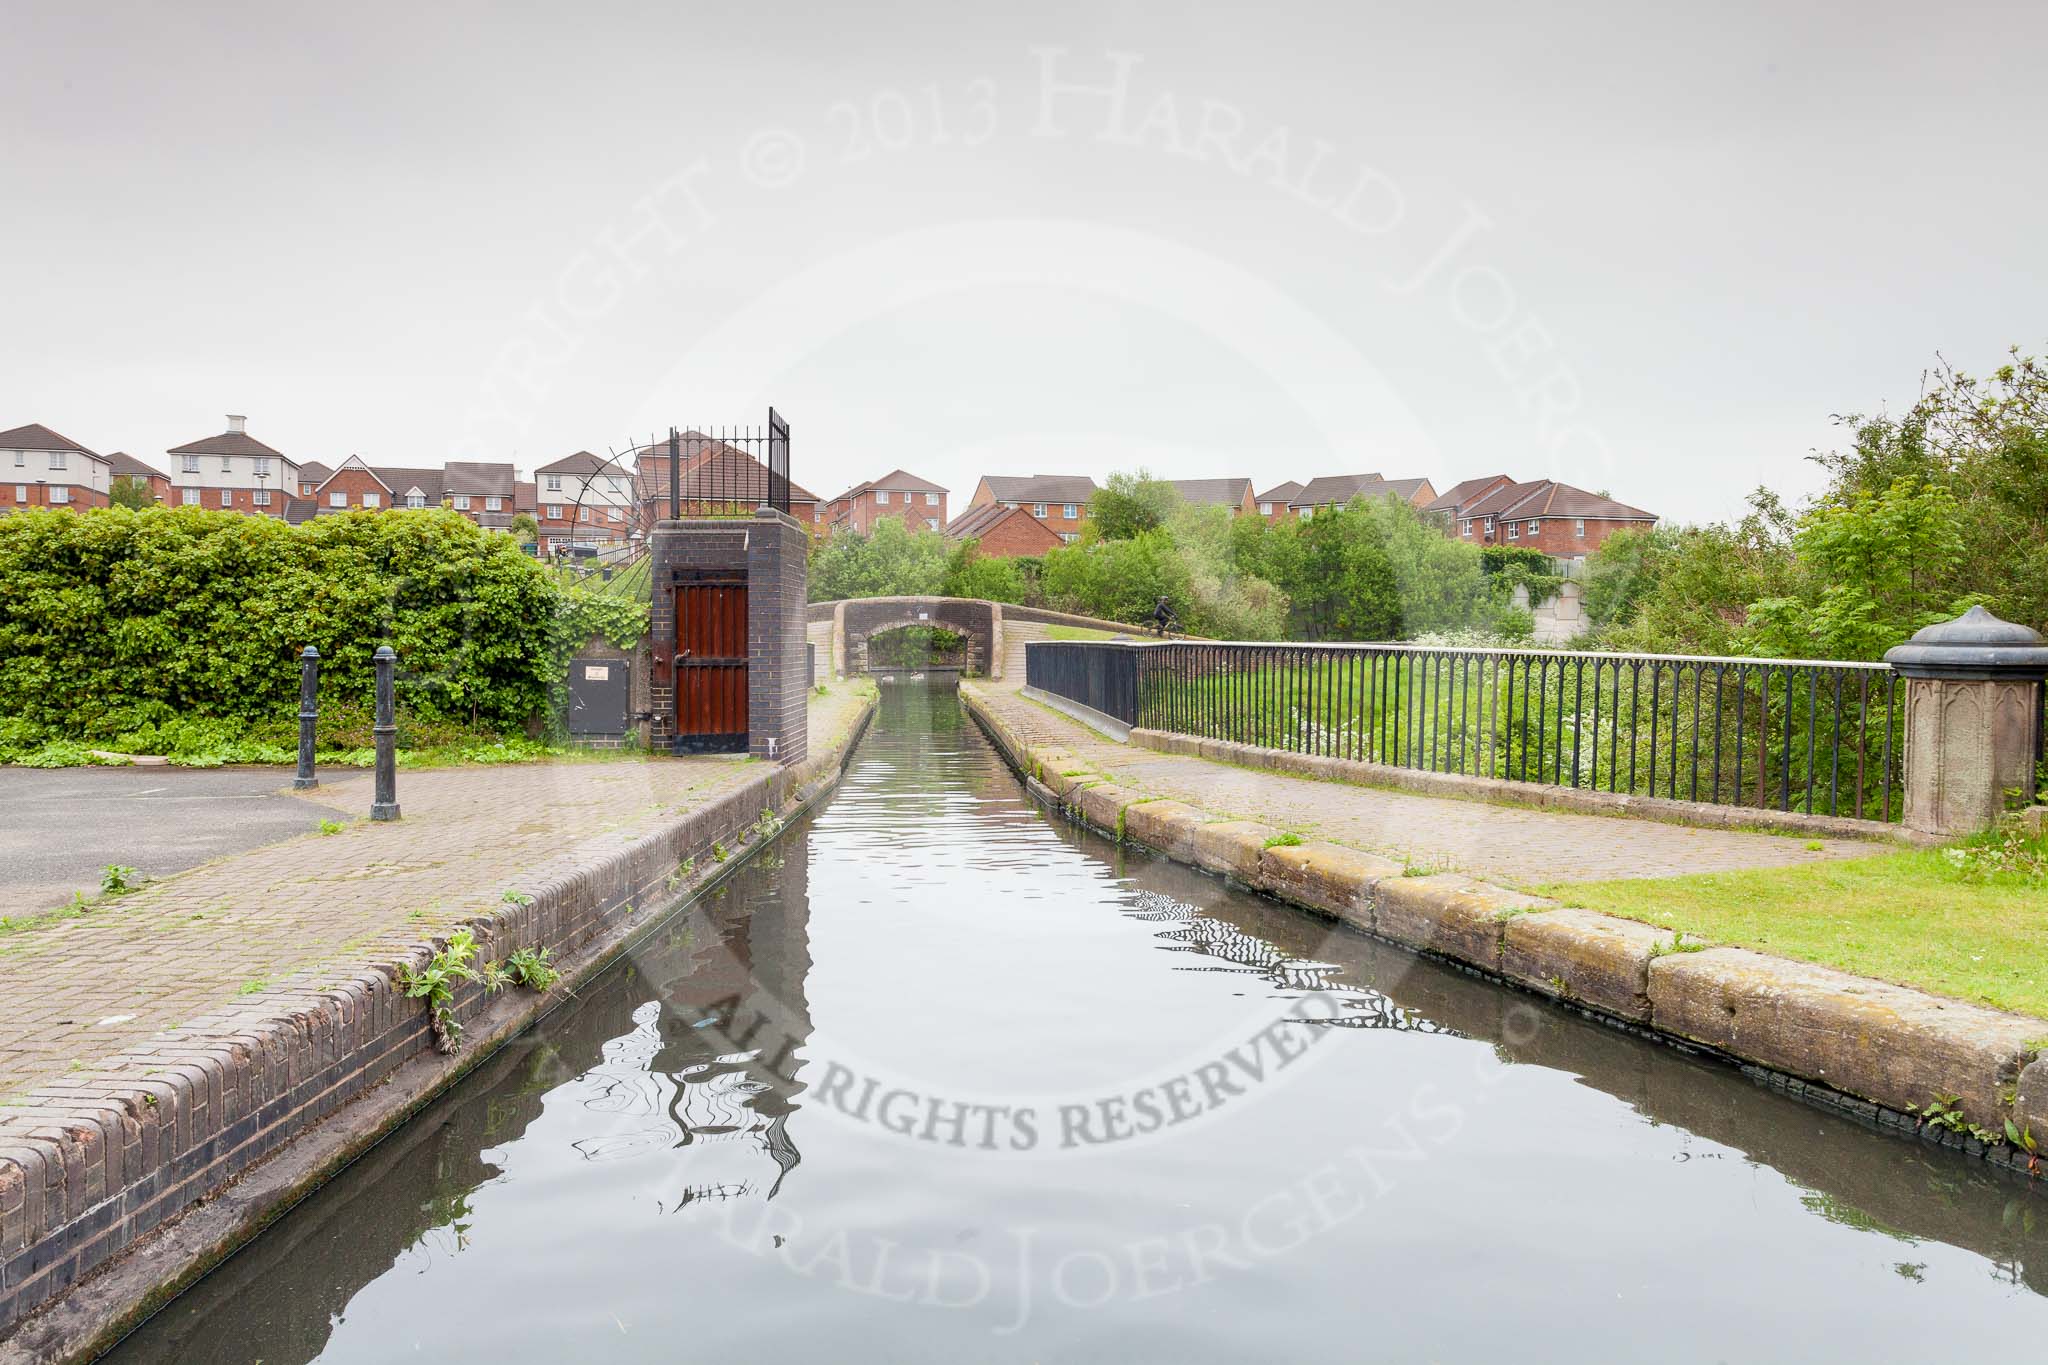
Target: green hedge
{"points": [[115, 621]]}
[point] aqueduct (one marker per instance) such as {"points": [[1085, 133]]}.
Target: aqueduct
{"points": [[996, 632]]}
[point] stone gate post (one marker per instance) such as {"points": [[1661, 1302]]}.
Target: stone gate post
{"points": [[1973, 716]]}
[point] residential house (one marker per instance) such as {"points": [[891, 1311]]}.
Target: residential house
{"points": [[1337, 490], [1452, 507], [1059, 500], [1236, 494], [485, 491], [1272, 504], [718, 479], [1003, 532], [234, 471], [586, 499], [1555, 518], [919, 503], [311, 475], [122, 465], [44, 469]]}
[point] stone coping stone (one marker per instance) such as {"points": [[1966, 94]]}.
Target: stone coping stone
{"points": [[1886, 1044], [1897, 1046]]}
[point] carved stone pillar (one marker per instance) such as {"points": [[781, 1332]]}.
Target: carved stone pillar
{"points": [[1973, 717]]}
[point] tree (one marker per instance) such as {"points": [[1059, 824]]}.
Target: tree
{"points": [[1129, 505], [525, 529], [1623, 570], [889, 561], [970, 573], [130, 491]]}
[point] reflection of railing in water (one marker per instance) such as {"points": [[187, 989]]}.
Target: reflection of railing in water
{"points": [[1220, 939]]}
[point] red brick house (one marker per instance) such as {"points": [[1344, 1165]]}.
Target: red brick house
{"points": [[1337, 490], [1555, 518], [1272, 504], [1236, 494], [1060, 501], [918, 503], [122, 465], [1003, 532], [44, 469], [233, 471], [718, 479]]}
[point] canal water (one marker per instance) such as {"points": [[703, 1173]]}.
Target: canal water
{"points": [[939, 1078]]}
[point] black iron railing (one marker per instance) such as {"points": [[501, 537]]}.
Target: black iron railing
{"points": [[1820, 737], [723, 472], [1101, 675]]}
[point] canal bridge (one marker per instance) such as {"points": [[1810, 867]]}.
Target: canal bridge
{"points": [[996, 632]]}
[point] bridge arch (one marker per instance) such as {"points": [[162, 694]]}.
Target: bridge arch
{"points": [[996, 632]]}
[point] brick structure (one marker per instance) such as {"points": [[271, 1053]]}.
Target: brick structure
{"points": [[44, 469], [770, 550], [1555, 518], [1059, 500], [918, 503], [125, 466], [719, 479], [1003, 532], [858, 620], [1272, 504], [234, 472], [1338, 490]]}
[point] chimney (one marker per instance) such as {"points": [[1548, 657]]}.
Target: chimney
{"points": [[237, 422]]}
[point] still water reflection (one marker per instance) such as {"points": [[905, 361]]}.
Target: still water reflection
{"points": [[941, 1079]]}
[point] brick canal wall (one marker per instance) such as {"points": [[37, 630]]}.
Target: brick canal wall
{"points": [[82, 1184], [1867, 1047]]}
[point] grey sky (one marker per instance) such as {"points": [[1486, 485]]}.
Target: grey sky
{"points": [[1677, 242]]}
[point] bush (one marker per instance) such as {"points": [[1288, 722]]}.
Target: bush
{"points": [[181, 627]]}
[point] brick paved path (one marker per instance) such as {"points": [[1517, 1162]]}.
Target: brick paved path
{"points": [[266, 929], [1509, 845]]}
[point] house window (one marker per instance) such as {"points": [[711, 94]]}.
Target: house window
{"points": [[262, 466], [1037, 509], [20, 459], [1534, 527], [227, 497], [817, 516], [56, 459], [611, 481], [1514, 531], [415, 499], [1069, 536], [931, 500], [1488, 526], [21, 492], [1010, 504], [373, 499], [1467, 530], [1307, 512], [1071, 511], [1579, 528], [554, 484], [494, 504], [337, 499], [191, 464], [554, 511], [932, 523], [60, 494], [262, 497], [583, 514], [227, 464], [189, 497], [881, 497], [305, 489], [1265, 509], [462, 502]]}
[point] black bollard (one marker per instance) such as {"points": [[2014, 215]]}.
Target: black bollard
{"points": [[309, 712], [384, 799]]}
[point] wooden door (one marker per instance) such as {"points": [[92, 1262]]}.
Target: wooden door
{"points": [[711, 667]]}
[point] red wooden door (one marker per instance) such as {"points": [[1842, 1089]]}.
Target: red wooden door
{"points": [[711, 668]]}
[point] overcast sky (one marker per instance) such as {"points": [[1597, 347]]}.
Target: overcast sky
{"points": [[1641, 251]]}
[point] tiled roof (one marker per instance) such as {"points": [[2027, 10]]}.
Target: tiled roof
{"points": [[1466, 492], [1212, 492], [1340, 489], [1549, 498], [526, 496], [127, 466], [36, 436], [977, 522], [1337, 488], [1281, 493], [582, 462], [1077, 488], [313, 472], [895, 481], [1499, 500], [480, 478], [229, 443], [403, 479]]}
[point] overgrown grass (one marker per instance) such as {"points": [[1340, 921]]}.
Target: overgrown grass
{"points": [[344, 742], [1925, 918], [1056, 631]]}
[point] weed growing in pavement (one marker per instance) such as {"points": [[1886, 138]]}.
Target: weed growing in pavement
{"points": [[118, 880], [1679, 944], [519, 898], [253, 985], [1287, 840], [718, 853], [530, 968], [435, 983], [332, 826]]}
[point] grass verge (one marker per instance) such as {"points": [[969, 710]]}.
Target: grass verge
{"points": [[1961, 921]]}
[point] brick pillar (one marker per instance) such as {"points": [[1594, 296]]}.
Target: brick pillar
{"points": [[1973, 716], [778, 576]]}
